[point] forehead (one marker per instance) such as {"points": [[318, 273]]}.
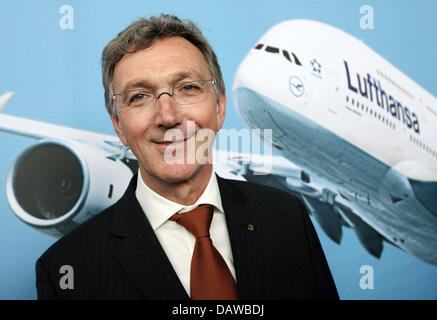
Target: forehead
{"points": [[164, 61]]}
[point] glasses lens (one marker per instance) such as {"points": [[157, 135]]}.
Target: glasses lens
{"points": [[190, 92], [137, 98]]}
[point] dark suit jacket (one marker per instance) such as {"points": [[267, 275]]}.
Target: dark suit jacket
{"points": [[116, 255]]}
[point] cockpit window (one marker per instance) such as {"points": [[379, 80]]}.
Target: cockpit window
{"points": [[272, 49], [285, 53], [296, 59]]}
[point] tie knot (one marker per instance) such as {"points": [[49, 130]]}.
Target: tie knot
{"points": [[196, 221]]}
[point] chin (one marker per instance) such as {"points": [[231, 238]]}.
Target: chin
{"points": [[178, 173]]}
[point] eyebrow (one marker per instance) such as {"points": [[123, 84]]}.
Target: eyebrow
{"points": [[136, 84], [143, 83]]}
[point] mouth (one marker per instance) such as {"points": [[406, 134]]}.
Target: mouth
{"points": [[164, 144], [167, 143]]}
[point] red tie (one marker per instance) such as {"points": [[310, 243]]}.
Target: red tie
{"points": [[210, 278]]}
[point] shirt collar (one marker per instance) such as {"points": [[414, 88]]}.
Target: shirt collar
{"points": [[159, 209]]}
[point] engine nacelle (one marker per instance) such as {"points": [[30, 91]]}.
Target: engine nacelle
{"points": [[55, 185], [411, 181]]}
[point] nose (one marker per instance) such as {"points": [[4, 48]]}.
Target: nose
{"points": [[167, 114]]}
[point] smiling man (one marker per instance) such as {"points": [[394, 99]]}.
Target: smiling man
{"points": [[180, 231]]}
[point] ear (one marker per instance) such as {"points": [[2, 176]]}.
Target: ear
{"points": [[119, 129], [221, 110]]}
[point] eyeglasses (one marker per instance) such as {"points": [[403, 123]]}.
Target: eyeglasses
{"points": [[185, 92]]}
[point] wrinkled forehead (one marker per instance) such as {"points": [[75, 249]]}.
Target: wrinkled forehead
{"points": [[165, 61]]}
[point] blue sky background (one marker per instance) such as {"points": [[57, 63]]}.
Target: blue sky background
{"points": [[56, 77]]}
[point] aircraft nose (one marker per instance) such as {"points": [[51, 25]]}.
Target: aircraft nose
{"points": [[290, 130], [267, 96]]}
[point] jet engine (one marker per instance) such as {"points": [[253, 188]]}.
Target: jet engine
{"points": [[55, 185]]}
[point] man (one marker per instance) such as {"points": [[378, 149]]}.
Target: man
{"points": [[180, 231]]}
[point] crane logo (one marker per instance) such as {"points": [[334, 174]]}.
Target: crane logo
{"points": [[296, 86]]}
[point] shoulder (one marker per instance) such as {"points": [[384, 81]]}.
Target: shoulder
{"points": [[268, 205], [91, 233], [255, 192], [78, 240], [92, 228]]}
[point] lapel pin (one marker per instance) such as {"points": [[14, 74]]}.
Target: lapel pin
{"points": [[250, 227]]}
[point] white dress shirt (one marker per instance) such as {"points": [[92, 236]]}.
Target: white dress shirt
{"points": [[177, 242]]}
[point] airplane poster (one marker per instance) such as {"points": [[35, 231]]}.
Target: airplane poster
{"points": [[340, 93]]}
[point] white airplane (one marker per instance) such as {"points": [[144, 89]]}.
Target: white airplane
{"points": [[362, 131], [353, 158]]}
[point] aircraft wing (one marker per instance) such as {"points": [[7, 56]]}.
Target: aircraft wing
{"points": [[46, 131], [331, 210], [41, 130]]}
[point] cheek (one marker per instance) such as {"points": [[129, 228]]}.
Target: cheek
{"points": [[214, 120], [133, 127], [207, 118]]}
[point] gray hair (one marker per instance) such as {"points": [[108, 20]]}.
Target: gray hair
{"points": [[141, 34]]}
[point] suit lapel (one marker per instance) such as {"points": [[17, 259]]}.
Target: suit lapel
{"points": [[137, 249], [242, 226]]}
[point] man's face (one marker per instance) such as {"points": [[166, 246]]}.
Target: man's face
{"points": [[166, 62]]}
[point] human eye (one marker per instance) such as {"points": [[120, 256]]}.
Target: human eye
{"points": [[136, 98], [188, 88]]}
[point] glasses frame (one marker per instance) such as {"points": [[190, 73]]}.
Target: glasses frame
{"points": [[165, 92]]}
